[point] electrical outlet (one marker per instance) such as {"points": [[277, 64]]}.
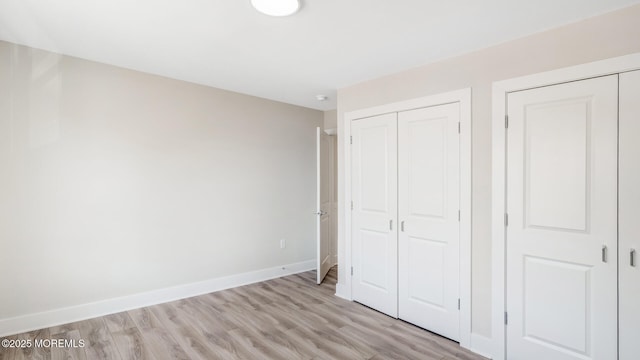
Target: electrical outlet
{"points": [[283, 243]]}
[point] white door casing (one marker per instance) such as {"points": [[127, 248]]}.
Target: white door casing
{"points": [[374, 214], [562, 225], [629, 226], [318, 212], [428, 206], [334, 201]]}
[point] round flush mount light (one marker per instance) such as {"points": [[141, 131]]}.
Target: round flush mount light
{"points": [[276, 7]]}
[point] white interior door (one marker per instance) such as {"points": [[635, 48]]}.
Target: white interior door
{"points": [[629, 207], [318, 212], [334, 201], [324, 204], [374, 216], [428, 205], [561, 258]]}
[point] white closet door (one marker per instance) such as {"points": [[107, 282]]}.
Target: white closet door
{"points": [[428, 204], [374, 231], [629, 228], [562, 221]]}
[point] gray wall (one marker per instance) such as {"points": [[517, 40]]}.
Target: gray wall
{"points": [[115, 182]]}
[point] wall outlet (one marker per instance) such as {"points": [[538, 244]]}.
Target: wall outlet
{"points": [[283, 243]]}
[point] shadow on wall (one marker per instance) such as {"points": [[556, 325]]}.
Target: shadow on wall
{"points": [[37, 97]]}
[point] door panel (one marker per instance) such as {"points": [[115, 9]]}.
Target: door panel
{"points": [[562, 230], [425, 280], [319, 183], [375, 260], [325, 205], [569, 286], [556, 161], [374, 188], [629, 228], [426, 150], [428, 198]]}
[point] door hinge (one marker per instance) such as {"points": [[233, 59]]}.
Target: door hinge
{"points": [[506, 121], [458, 127], [352, 271], [458, 303], [458, 215], [506, 318], [351, 204], [351, 140], [506, 219]]}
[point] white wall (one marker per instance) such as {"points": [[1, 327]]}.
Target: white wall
{"points": [[115, 182], [609, 35], [331, 119]]}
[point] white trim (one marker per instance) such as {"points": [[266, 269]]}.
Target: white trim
{"points": [[341, 291], [465, 215], [481, 345], [318, 215], [498, 209], [462, 96], [498, 197], [20, 324]]}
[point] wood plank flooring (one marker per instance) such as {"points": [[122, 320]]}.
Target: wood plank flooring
{"points": [[285, 318]]}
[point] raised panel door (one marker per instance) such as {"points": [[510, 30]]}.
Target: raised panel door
{"points": [[428, 204], [374, 216], [562, 221]]}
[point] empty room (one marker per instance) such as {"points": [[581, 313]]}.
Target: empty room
{"points": [[320, 179]]}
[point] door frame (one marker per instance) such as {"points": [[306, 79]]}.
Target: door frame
{"points": [[321, 177], [318, 212], [462, 96], [500, 91]]}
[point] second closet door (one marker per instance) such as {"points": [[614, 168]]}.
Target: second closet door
{"points": [[562, 221], [428, 205]]}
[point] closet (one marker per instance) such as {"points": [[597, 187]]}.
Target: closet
{"points": [[572, 227], [405, 177]]}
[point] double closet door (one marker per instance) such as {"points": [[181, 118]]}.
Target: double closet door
{"points": [[573, 172], [405, 230]]}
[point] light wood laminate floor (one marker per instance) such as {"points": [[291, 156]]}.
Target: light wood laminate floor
{"points": [[285, 318]]}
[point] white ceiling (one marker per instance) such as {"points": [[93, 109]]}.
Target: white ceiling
{"points": [[328, 45]]}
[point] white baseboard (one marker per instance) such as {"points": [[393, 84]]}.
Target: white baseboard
{"points": [[24, 323], [340, 292], [481, 345]]}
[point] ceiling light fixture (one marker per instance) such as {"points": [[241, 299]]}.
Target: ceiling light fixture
{"points": [[322, 97], [276, 7]]}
